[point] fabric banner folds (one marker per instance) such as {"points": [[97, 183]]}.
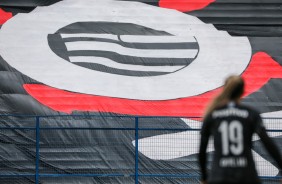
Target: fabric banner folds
{"points": [[137, 58]]}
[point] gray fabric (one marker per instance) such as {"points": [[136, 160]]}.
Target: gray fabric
{"points": [[82, 151]]}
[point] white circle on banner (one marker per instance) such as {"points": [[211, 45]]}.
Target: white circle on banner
{"points": [[24, 45]]}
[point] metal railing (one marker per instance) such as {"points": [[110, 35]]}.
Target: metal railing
{"points": [[106, 149]]}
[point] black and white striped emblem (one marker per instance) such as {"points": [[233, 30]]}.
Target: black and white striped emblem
{"points": [[123, 48]]}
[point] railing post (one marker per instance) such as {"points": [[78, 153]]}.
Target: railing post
{"points": [[37, 150], [136, 149]]}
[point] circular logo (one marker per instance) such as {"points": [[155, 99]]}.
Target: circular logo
{"points": [[127, 50], [123, 48]]}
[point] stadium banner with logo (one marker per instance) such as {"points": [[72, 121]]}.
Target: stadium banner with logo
{"points": [[137, 58]]}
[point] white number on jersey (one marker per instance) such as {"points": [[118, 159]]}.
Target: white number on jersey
{"points": [[231, 137]]}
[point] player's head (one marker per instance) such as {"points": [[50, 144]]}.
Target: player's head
{"points": [[233, 89]]}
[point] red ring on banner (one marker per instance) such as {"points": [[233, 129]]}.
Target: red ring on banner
{"points": [[4, 16]]}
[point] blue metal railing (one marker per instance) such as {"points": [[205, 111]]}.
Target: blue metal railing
{"points": [[38, 127]]}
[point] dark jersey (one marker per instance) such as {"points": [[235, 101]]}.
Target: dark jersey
{"points": [[232, 127]]}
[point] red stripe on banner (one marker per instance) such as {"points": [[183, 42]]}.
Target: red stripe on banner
{"points": [[185, 5], [261, 68], [4, 16]]}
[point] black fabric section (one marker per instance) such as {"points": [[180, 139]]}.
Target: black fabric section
{"points": [[268, 98], [24, 6], [244, 18], [270, 45], [252, 30], [104, 119], [118, 180], [110, 28], [277, 21], [27, 3], [57, 45], [150, 2], [15, 180], [17, 9], [103, 68], [22, 104], [262, 2], [11, 83], [134, 60], [171, 46], [13, 97]]}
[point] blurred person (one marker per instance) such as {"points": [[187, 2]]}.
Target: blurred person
{"points": [[232, 126]]}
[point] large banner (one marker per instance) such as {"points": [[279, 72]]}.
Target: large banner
{"points": [[156, 61], [139, 58]]}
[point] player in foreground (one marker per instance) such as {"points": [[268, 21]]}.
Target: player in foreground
{"points": [[232, 126]]}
